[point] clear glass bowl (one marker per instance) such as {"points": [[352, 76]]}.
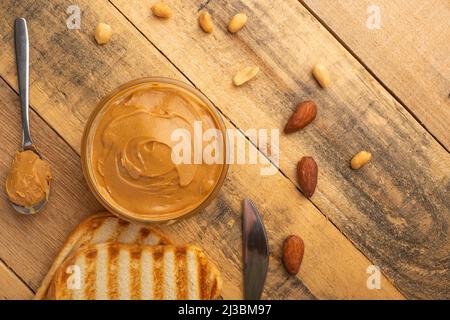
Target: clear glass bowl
{"points": [[87, 150]]}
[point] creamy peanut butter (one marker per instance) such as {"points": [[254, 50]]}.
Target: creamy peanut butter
{"points": [[28, 182], [132, 151]]}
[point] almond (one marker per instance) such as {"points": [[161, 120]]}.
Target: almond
{"points": [[304, 114], [307, 171], [293, 250]]}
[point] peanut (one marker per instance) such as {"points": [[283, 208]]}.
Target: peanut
{"points": [[322, 75], [205, 21], [161, 10], [360, 159], [103, 33], [245, 75], [237, 22]]}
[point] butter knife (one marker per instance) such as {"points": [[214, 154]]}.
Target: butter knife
{"points": [[256, 251]]}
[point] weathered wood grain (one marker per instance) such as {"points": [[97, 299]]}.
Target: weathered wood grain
{"points": [[332, 267], [28, 243], [409, 54], [11, 287], [397, 209]]}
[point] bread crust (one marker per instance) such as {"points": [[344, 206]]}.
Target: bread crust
{"points": [[67, 247]]}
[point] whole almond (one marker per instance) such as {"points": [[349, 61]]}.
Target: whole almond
{"points": [[293, 250], [162, 10], [360, 159], [245, 75], [237, 22], [205, 21], [304, 114], [322, 75], [307, 172]]}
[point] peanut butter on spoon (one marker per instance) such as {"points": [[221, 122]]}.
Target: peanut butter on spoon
{"points": [[28, 182]]}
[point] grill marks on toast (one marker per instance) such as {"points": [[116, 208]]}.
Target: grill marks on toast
{"points": [[202, 278], [99, 228], [181, 273], [121, 271], [135, 273], [90, 279], [158, 273], [121, 235], [143, 234], [129, 233], [112, 229], [113, 272]]}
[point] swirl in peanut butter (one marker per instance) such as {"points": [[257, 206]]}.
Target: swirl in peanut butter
{"points": [[132, 150]]}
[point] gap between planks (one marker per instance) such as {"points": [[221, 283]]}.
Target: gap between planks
{"points": [[13, 273], [370, 71]]}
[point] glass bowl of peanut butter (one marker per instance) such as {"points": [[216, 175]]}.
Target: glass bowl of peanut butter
{"points": [[155, 150]]}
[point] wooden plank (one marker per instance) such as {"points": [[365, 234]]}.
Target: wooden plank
{"points": [[11, 287], [29, 243], [396, 210], [332, 267], [409, 54]]}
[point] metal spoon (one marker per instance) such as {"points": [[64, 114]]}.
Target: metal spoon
{"points": [[22, 61]]}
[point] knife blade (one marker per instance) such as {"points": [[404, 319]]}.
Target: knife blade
{"points": [[256, 251]]}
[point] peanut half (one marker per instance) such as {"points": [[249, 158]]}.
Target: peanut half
{"points": [[103, 33], [245, 75], [205, 21], [360, 159], [322, 75], [161, 10], [237, 22]]}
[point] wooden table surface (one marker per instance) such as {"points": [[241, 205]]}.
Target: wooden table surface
{"points": [[389, 94]]}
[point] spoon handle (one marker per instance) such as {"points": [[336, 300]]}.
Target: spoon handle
{"points": [[22, 61]]}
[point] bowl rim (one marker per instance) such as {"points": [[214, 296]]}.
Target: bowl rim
{"points": [[139, 217]]}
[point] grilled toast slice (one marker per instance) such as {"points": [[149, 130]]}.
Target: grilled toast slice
{"points": [[100, 228], [126, 271]]}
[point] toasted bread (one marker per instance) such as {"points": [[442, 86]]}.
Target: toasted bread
{"points": [[127, 271], [100, 228]]}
